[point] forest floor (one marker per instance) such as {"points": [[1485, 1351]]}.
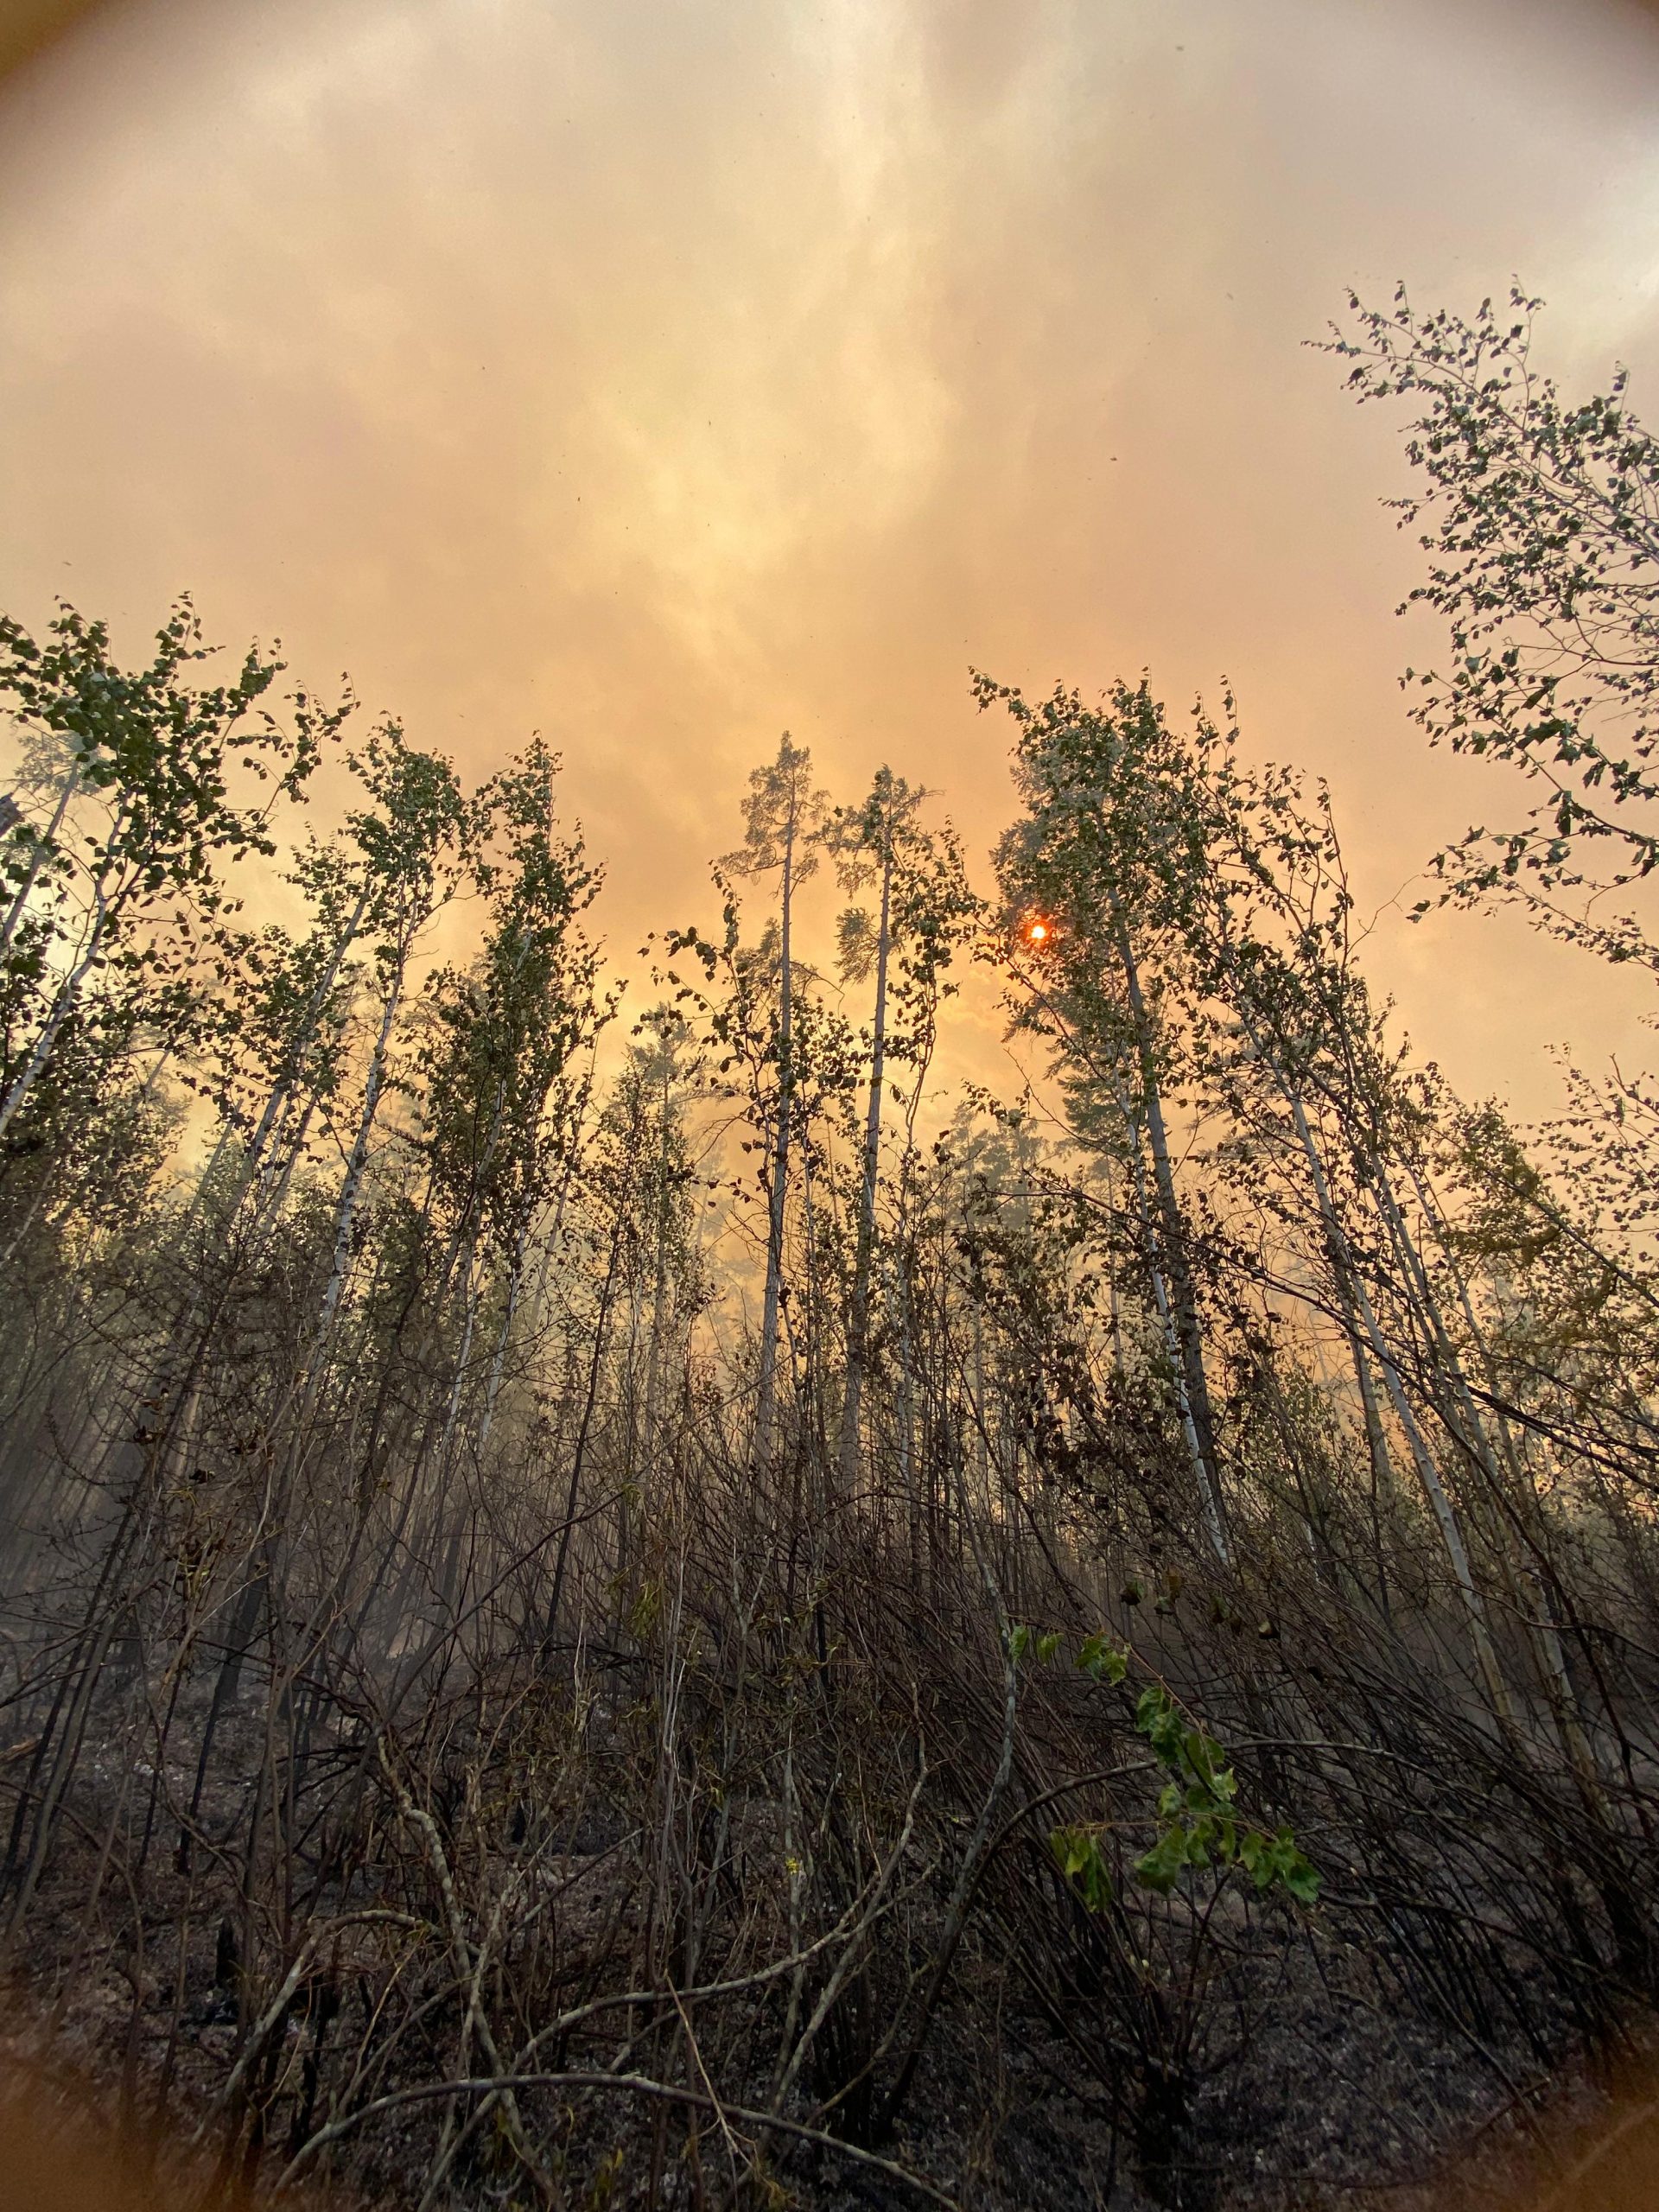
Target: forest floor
{"points": [[1317, 2094]]}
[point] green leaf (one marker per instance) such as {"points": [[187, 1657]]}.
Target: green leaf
{"points": [[1077, 1853], [1101, 1661], [1067, 1845], [1156, 1719], [1302, 1880], [1162, 1865]]}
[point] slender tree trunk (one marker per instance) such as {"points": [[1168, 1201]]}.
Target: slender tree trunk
{"points": [[1429, 1473], [63, 1005], [346, 1212], [1179, 1290], [67, 791], [1208, 1500], [1556, 1677], [659, 1282], [767, 1391], [282, 1090], [1173, 1286], [858, 1330], [579, 1453]]}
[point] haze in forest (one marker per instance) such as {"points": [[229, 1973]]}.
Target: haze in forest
{"points": [[661, 377], [695, 1612]]}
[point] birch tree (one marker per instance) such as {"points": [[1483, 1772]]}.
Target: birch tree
{"points": [[783, 816]]}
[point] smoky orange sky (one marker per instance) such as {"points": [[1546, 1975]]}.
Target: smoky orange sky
{"points": [[663, 376]]}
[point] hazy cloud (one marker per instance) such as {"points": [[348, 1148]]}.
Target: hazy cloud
{"points": [[664, 375]]}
